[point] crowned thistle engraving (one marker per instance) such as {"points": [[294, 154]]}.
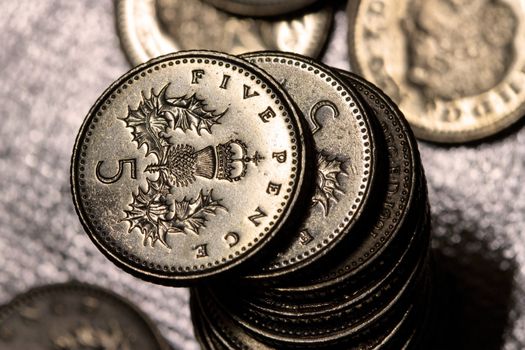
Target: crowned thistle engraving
{"points": [[154, 211], [328, 182], [183, 163]]}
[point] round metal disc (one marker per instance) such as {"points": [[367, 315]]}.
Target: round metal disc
{"points": [[260, 7], [76, 316], [187, 165], [455, 77], [346, 158], [150, 28]]}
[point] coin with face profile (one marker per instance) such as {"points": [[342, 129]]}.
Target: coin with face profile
{"points": [[456, 78], [150, 28], [187, 166], [345, 157], [75, 316]]}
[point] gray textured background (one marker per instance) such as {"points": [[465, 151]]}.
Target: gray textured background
{"points": [[57, 57]]}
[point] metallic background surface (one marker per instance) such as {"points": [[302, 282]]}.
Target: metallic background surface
{"points": [[58, 56]]}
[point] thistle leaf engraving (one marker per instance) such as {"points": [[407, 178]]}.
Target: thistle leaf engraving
{"points": [[158, 113], [328, 185], [191, 215], [149, 213], [190, 113], [154, 213], [148, 123], [155, 217]]}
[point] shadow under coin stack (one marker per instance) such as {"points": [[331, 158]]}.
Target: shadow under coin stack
{"points": [[355, 272]]}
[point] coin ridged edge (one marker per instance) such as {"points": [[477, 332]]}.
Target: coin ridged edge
{"points": [[165, 275], [424, 133]]}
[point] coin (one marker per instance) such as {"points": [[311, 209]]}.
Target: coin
{"points": [[455, 77], [260, 7], [150, 28], [402, 177], [187, 165], [346, 157], [75, 316], [202, 333], [234, 336]]}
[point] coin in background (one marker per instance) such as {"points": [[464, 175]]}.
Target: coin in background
{"points": [[150, 28], [76, 316], [260, 7], [187, 165], [455, 77]]}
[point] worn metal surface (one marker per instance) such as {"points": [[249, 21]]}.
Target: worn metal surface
{"points": [[76, 316], [150, 28], [456, 78], [58, 56]]}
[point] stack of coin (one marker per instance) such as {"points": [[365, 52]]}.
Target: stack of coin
{"points": [[355, 272], [291, 193]]}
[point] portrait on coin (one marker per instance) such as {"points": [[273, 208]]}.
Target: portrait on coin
{"points": [[458, 48]]}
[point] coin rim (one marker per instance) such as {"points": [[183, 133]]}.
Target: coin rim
{"points": [[75, 286], [305, 261], [181, 277]]}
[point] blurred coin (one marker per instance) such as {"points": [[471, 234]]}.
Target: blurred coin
{"points": [[260, 7], [187, 166], [455, 68], [150, 28], [346, 158], [76, 316]]}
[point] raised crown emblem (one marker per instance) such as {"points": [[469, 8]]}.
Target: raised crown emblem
{"points": [[227, 161]]}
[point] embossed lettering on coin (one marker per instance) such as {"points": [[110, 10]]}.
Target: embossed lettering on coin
{"points": [[175, 174]]}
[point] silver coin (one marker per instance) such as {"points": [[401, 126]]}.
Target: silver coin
{"points": [[151, 28], [346, 158], [187, 166]]}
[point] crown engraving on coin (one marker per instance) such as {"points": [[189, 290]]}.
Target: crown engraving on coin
{"points": [[154, 212]]}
